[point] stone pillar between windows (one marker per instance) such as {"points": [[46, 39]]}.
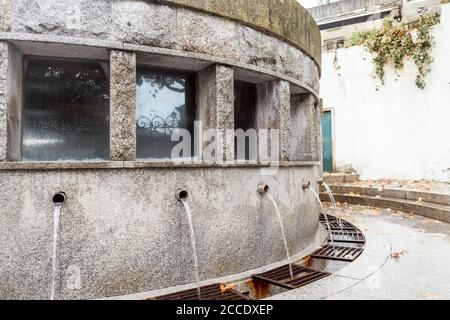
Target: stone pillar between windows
{"points": [[273, 112], [306, 135], [318, 110], [10, 102], [215, 103], [122, 105]]}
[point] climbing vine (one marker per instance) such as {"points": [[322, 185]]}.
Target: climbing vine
{"points": [[396, 42]]}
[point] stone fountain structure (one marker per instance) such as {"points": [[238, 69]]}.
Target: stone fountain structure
{"points": [[121, 230]]}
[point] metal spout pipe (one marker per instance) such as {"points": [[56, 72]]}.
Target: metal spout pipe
{"points": [[263, 188], [181, 195], [59, 198], [306, 185]]}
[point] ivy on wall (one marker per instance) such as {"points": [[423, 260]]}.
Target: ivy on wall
{"points": [[445, 1], [396, 42]]}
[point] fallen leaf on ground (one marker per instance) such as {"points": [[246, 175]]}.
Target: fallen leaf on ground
{"points": [[224, 288], [397, 254]]}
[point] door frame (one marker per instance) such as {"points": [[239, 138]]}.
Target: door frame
{"points": [[333, 137]]}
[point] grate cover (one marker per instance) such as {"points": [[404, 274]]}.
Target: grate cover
{"points": [[211, 292], [337, 253], [348, 236], [344, 225], [330, 218], [281, 276]]}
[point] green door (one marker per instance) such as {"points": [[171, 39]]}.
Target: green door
{"points": [[327, 142]]}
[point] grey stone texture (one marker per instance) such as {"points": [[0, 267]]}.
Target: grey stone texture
{"points": [[285, 19], [273, 112], [203, 33], [10, 102], [144, 23], [122, 231], [3, 100], [155, 24], [305, 125], [5, 15], [123, 105], [215, 98], [80, 18]]}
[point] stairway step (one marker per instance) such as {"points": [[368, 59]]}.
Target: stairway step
{"points": [[397, 193], [426, 209], [332, 178]]}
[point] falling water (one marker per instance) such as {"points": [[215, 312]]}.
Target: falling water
{"points": [[333, 202], [193, 244], [316, 195], [56, 215], [280, 219]]}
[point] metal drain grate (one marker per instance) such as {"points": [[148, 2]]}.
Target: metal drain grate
{"points": [[281, 276], [344, 225], [348, 236], [337, 253], [330, 218], [211, 292]]}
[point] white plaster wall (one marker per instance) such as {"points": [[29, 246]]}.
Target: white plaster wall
{"points": [[398, 131]]}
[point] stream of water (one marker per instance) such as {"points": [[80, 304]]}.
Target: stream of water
{"points": [[56, 215], [283, 234], [193, 244], [316, 195], [333, 203]]}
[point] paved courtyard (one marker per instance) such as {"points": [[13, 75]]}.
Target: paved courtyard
{"points": [[406, 257]]}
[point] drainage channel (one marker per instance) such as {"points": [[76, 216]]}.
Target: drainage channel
{"points": [[349, 244], [216, 291]]}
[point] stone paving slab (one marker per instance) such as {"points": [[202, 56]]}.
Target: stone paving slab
{"points": [[412, 276], [363, 267], [318, 290]]}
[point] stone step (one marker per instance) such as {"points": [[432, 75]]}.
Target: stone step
{"points": [[332, 178], [397, 193], [426, 209]]}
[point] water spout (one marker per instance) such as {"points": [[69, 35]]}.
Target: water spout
{"points": [[333, 203], [58, 201], [306, 185], [263, 188], [182, 195], [316, 195], [280, 220]]}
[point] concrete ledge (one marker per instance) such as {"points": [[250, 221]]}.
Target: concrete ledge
{"points": [[52, 45], [426, 209], [4, 166]]}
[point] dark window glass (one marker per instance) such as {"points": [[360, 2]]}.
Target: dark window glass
{"points": [[330, 45], [65, 110], [245, 118], [165, 101]]}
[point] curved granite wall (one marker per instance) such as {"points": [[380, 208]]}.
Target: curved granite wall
{"points": [[122, 231]]}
